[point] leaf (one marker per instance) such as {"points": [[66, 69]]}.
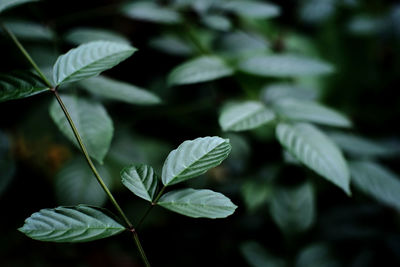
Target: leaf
{"points": [[117, 90], [277, 91], [20, 85], [312, 148], [79, 36], [241, 43], [217, 22], [7, 164], [257, 256], [284, 66], [201, 69], [75, 183], [149, 11], [309, 111], [92, 121], [29, 30], [70, 224], [361, 147], [193, 158], [245, 116], [198, 203], [376, 181], [293, 210], [89, 60], [141, 180], [7, 4], [316, 255], [171, 45], [255, 194], [253, 9]]}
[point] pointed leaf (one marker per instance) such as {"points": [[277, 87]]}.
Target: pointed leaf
{"points": [[312, 148], [19, 85], [309, 111], [284, 66], [70, 224], [202, 69], [277, 91], [245, 116], [293, 210], [150, 11], [75, 183], [117, 90], [217, 22], [7, 4], [198, 203], [85, 35], [91, 120], [376, 181], [193, 158], [141, 180], [89, 60], [253, 9]]}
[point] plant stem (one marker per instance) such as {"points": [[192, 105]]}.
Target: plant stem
{"points": [[140, 248], [27, 56], [153, 203]]}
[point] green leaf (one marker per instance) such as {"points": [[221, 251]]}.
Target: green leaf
{"points": [[19, 85], [7, 4], [257, 256], [198, 203], [299, 110], [245, 116], [314, 149], [277, 91], [193, 158], [253, 9], [7, 164], [361, 147], [217, 22], [89, 60], [202, 69], [255, 194], [117, 90], [376, 181], [141, 180], [92, 121], [293, 210], [172, 45], [75, 183], [70, 224], [79, 36], [150, 11], [316, 255], [29, 30], [284, 66]]}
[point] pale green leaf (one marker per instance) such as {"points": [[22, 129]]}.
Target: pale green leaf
{"points": [[202, 69], [28, 30], [19, 85], [171, 45], [150, 11], [252, 9], [79, 36], [217, 22], [300, 110], [89, 60], [7, 164], [316, 255], [70, 224], [92, 121], [376, 181], [193, 158], [245, 116], [315, 150], [285, 65], [277, 91], [7, 4], [141, 180], [198, 203], [257, 256], [361, 147], [117, 90], [255, 194], [240, 43], [293, 210], [75, 184]]}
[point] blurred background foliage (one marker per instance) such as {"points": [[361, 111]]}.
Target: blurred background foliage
{"points": [[287, 215]]}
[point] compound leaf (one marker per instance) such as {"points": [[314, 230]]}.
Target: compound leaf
{"points": [[193, 158], [89, 60], [202, 203], [70, 224]]}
